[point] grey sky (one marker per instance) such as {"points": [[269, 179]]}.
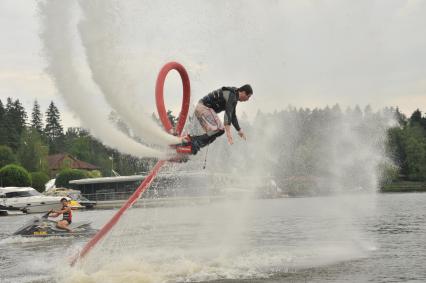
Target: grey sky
{"points": [[303, 53]]}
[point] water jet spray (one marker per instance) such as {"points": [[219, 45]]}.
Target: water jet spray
{"points": [[159, 95]]}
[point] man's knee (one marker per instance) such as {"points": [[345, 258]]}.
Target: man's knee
{"points": [[220, 132], [217, 133], [62, 224]]}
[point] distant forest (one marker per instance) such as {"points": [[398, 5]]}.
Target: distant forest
{"points": [[407, 146], [27, 140]]}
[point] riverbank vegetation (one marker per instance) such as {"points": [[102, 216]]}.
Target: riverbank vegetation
{"points": [[27, 140], [407, 147]]}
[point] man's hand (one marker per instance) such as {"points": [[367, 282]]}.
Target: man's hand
{"points": [[228, 134], [242, 135], [230, 139]]}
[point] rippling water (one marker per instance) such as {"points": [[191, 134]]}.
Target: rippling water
{"points": [[358, 238]]}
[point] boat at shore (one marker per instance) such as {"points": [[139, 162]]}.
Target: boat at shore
{"points": [[77, 200], [28, 200], [9, 211], [175, 187]]}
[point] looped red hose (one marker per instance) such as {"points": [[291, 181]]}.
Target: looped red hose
{"points": [[159, 98]]}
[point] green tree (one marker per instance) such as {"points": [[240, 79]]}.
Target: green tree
{"points": [[38, 180], [400, 117], [36, 118], [20, 116], [14, 176], [94, 174], [53, 129], [172, 118], [396, 148], [81, 148], [6, 156], [407, 145], [32, 152], [416, 160], [66, 175], [14, 121], [416, 117], [415, 149]]}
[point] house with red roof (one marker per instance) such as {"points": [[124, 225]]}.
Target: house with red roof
{"points": [[57, 162]]}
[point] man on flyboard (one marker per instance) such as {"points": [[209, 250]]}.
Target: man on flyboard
{"points": [[223, 99]]}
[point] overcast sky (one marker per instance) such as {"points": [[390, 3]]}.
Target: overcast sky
{"points": [[299, 53]]}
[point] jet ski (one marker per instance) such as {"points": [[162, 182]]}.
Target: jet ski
{"points": [[44, 227]]}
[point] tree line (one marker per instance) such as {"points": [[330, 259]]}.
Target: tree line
{"points": [[28, 140], [322, 150], [300, 138], [407, 146]]}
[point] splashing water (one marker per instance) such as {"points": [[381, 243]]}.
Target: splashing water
{"points": [[115, 75], [64, 70], [242, 237]]}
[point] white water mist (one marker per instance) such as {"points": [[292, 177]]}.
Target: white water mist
{"points": [[114, 71], [57, 41]]}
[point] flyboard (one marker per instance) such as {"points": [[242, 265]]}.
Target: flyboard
{"points": [[159, 99]]}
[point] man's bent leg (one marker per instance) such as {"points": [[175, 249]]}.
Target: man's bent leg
{"points": [[211, 125], [208, 119], [201, 141], [63, 224]]}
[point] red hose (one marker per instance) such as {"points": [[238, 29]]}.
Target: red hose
{"points": [[159, 97]]}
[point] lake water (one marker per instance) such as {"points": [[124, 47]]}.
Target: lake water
{"points": [[356, 238]]}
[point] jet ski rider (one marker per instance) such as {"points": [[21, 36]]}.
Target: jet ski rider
{"points": [[66, 215]]}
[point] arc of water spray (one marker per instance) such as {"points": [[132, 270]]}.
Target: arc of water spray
{"points": [[59, 54], [150, 177], [100, 31]]}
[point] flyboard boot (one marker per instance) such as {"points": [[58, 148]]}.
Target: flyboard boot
{"points": [[183, 150]]}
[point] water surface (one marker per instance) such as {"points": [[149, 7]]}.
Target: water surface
{"points": [[357, 238]]}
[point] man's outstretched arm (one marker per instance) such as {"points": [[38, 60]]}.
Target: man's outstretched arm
{"points": [[229, 116], [237, 126]]}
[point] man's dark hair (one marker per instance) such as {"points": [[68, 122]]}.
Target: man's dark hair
{"points": [[63, 199], [247, 88]]}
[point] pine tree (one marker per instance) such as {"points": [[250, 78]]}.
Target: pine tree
{"points": [[416, 117], [14, 122], [36, 118], [400, 117], [20, 116], [2, 110], [53, 129], [172, 118]]}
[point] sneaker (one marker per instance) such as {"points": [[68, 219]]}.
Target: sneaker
{"points": [[184, 148], [187, 146]]}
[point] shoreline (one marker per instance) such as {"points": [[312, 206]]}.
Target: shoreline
{"points": [[404, 187]]}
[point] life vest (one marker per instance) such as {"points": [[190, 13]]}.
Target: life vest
{"points": [[67, 215], [216, 100]]}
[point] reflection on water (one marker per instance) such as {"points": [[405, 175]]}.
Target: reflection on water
{"points": [[353, 239]]}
